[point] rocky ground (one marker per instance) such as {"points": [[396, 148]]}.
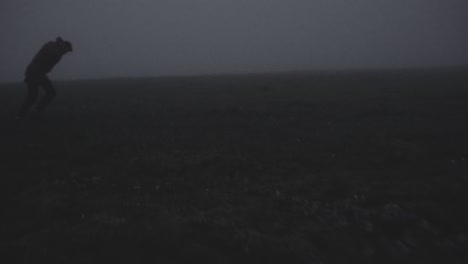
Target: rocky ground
{"points": [[326, 168]]}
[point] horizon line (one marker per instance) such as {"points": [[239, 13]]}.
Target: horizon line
{"points": [[280, 72]]}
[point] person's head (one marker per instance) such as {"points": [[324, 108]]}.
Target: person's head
{"points": [[65, 46]]}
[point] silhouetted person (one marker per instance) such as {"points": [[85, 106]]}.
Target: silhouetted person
{"points": [[36, 75]]}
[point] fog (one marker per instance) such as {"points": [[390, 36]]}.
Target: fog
{"points": [[116, 38]]}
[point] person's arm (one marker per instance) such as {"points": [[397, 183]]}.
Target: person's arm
{"points": [[50, 56]]}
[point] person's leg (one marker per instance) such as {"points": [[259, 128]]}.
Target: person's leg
{"points": [[48, 96], [30, 99]]}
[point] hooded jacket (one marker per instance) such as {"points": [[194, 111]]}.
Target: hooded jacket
{"points": [[45, 60]]}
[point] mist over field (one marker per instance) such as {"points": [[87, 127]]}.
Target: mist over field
{"points": [[116, 38], [248, 131]]}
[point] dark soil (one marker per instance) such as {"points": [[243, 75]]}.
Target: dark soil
{"points": [[287, 168]]}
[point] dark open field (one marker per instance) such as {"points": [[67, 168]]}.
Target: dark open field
{"points": [[287, 168]]}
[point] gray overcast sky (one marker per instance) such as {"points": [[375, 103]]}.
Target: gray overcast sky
{"points": [[116, 38]]}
